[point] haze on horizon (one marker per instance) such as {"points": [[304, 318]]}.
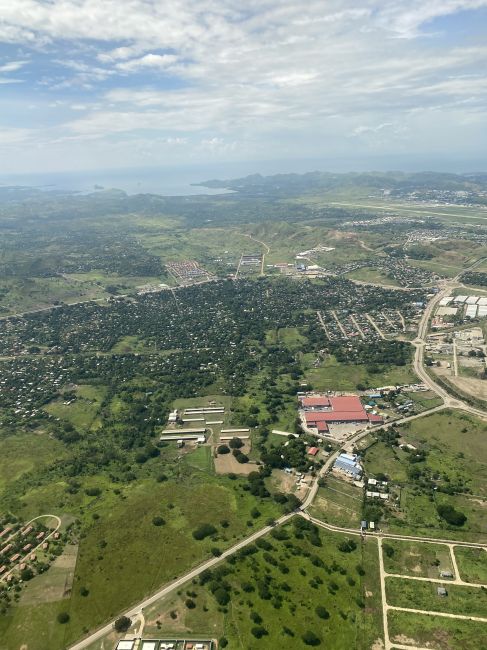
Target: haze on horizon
{"points": [[89, 85]]}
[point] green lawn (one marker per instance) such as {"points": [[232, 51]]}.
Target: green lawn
{"points": [[436, 632]]}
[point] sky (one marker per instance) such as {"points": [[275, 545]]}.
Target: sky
{"points": [[113, 84]]}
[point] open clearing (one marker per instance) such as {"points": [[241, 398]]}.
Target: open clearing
{"points": [[436, 632], [472, 564], [418, 594], [416, 558]]}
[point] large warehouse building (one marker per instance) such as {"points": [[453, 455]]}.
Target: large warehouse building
{"points": [[321, 411]]}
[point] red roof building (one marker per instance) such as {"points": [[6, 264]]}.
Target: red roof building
{"points": [[312, 451], [315, 402], [335, 410]]}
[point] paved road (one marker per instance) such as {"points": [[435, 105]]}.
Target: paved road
{"points": [[420, 343]]}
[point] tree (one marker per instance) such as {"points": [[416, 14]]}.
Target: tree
{"points": [[222, 596], [93, 492], [205, 530], [322, 612], [450, 515], [63, 618], [122, 624], [26, 574], [310, 638], [347, 546], [223, 449], [258, 631], [236, 443], [388, 550], [158, 521], [190, 604]]}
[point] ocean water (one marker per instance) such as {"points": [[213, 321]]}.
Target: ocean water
{"points": [[163, 181]]}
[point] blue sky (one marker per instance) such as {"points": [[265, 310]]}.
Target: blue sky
{"points": [[94, 84]]}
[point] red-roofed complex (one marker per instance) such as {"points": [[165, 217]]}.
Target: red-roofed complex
{"points": [[309, 403], [321, 411]]}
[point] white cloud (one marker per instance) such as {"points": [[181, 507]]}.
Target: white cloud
{"points": [[12, 66], [148, 61], [206, 74]]}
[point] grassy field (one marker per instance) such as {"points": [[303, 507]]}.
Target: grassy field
{"points": [[24, 453], [299, 577], [418, 594], [81, 412], [374, 276], [456, 451], [472, 564], [339, 502], [332, 375], [290, 337], [121, 540], [416, 558], [425, 400], [381, 458], [436, 632]]}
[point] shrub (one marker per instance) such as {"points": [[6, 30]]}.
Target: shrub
{"points": [[93, 492], [190, 604], [63, 618], [347, 546], [216, 551], [223, 642], [84, 592], [205, 530]]}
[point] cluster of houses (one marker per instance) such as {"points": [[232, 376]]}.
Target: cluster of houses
{"points": [[17, 548]]}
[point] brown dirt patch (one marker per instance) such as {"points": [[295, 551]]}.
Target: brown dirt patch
{"points": [[377, 645], [226, 463], [404, 640]]}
